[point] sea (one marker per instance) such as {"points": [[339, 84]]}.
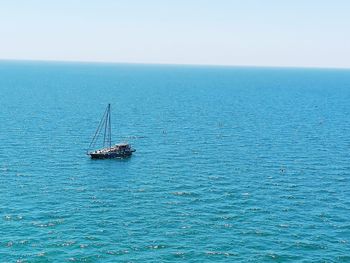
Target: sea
{"points": [[232, 164]]}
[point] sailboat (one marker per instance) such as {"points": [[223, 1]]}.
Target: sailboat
{"points": [[121, 150]]}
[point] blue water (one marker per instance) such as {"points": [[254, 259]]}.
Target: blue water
{"points": [[232, 164]]}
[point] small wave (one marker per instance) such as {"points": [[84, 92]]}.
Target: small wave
{"points": [[120, 252], [156, 246], [48, 224], [134, 137], [179, 193], [227, 254], [13, 218]]}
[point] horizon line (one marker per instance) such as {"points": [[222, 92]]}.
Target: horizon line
{"points": [[167, 64]]}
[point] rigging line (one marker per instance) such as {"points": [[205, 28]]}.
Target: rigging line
{"points": [[94, 139], [98, 131], [105, 125], [107, 129], [110, 129]]}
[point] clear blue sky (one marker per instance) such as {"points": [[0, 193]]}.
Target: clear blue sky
{"points": [[226, 32]]}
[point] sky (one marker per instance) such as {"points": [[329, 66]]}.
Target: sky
{"points": [[279, 33]]}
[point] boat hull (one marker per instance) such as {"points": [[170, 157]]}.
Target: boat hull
{"points": [[111, 155]]}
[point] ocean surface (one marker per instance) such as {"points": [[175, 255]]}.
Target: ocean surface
{"points": [[232, 164]]}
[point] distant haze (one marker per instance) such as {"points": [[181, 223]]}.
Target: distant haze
{"points": [[312, 33]]}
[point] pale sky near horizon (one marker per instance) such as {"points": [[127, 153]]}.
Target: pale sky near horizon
{"points": [[305, 33]]}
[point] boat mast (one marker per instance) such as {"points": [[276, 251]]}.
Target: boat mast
{"points": [[107, 140], [110, 128]]}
